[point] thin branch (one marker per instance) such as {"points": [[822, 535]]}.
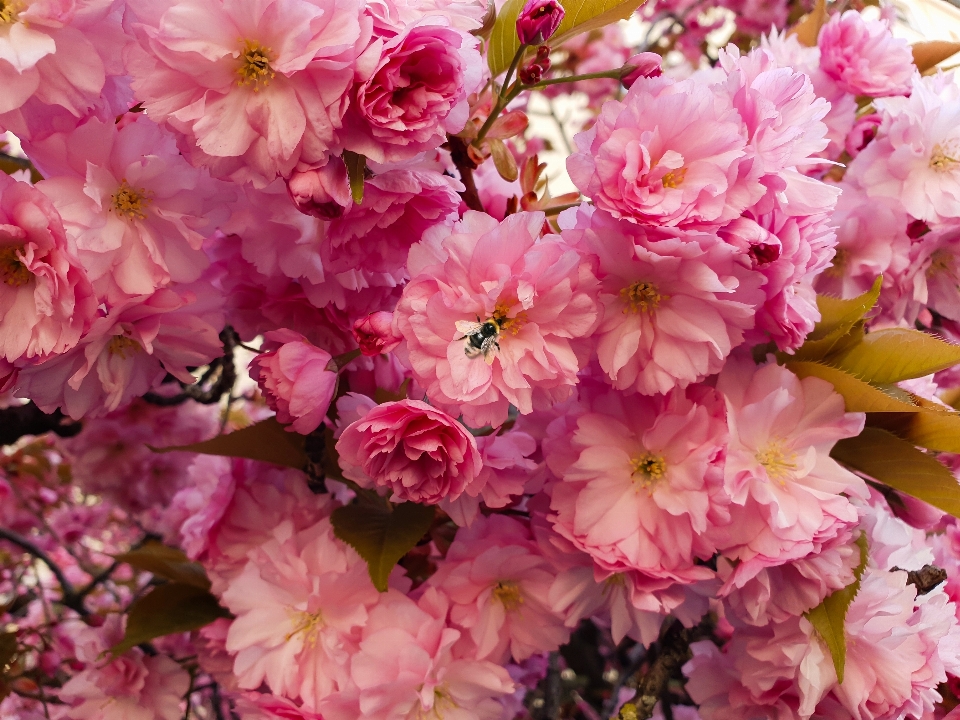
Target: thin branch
{"points": [[551, 706], [19, 420], [465, 165], [70, 597]]}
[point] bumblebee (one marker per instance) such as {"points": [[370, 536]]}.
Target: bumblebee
{"points": [[481, 338]]}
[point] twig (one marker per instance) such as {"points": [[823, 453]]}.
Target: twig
{"points": [[465, 165], [637, 654], [69, 595], [673, 653], [925, 579], [551, 706], [20, 420]]}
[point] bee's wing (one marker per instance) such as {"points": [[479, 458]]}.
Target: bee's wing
{"points": [[489, 349], [468, 328]]}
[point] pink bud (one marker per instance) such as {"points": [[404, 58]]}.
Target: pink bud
{"points": [[645, 64], [375, 334], [324, 192], [538, 20], [862, 133]]}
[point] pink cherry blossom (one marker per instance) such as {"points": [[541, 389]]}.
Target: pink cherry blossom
{"points": [[299, 604], [375, 335], [406, 667], [671, 153], [128, 352], [789, 496], [541, 293], [864, 57], [672, 312], [135, 209], [253, 89], [498, 582], [413, 93], [645, 493], [46, 300], [417, 452], [296, 379]]}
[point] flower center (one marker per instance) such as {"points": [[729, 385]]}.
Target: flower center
{"points": [[121, 345], [511, 325], [12, 269], [674, 178], [942, 159], [306, 624], [9, 10], [442, 701], [641, 297], [255, 65], [130, 201], [508, 593], [941, 261], [839, 263], [776, 460], [648, 470]]}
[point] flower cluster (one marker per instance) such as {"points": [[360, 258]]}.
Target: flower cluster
{"points": [[317, 404]]}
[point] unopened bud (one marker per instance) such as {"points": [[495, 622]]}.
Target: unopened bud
{"points": [[645, 64], [543, 54], [539, 20], [375, 335], [533, 72]]}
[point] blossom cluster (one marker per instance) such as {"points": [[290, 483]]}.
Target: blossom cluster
{"points": [[322, 227]]}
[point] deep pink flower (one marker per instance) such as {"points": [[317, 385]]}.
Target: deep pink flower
{"points": [[128, 352], [411, 449], [254, 89], [539, 291], [299, 604], [672, 310], [296, 379], [46, 300], [498, 582], [415, 94], [670, 153], [406, 667], [375, 334], [538, 21], [864, 57]]}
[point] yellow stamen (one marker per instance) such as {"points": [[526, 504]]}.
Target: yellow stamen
{"points": [[9, 11], [255, 65], [510, 325], [508, 593], [12, 269], [648, 470], [641, 296], [121, 345], [839, 263], [306, 624], [940, 261], [130, 201], [674, 178], [942, 159], [778, 462]]}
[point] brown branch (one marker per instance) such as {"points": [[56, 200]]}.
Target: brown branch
{"points": [[925, 579], [69, 598], [465, 165], [19, 420]]}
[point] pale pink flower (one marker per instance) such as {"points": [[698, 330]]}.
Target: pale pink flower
{"points": [[323, 192], [915, 157], [297, 379], [254, 89], [46, 300], [931, 278], [671, 153], [672, 312], [871, 240], [299, 604], [135, 209], [128, 352], [645, 493], [506, 469], [540, 294], [261, 706], [413, 92], [132, 686], [406, 667], [416, 452], [864, 57], [498, 583], [789, 496]]}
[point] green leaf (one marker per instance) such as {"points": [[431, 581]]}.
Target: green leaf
{"points": [[840, 326], [356, 169], [169, 608], [266, 441], [581, 16], [895, 354], [828, 617], [168, 563], [897, 463], [382, 534], [933, 426], [859, 396]]}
